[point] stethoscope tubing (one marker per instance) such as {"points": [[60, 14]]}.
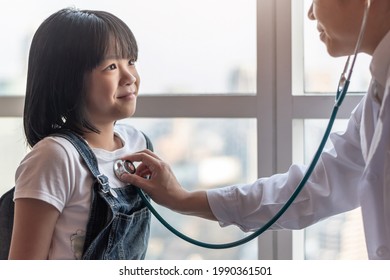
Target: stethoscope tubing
{"points": [[340, 95], [277, 215]]}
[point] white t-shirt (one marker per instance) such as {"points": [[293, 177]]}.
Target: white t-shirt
{"points": [[54, 172]]}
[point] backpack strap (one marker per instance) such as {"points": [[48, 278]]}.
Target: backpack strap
{"points": [[149, 144], [6, 222]]}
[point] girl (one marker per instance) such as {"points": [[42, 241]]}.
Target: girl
{"points": [[82, 78]]}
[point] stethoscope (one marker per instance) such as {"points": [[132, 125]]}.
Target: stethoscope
{"points": [[342, 88]]}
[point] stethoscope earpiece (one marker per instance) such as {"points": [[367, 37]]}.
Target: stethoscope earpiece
{"points": [[123, 166]]}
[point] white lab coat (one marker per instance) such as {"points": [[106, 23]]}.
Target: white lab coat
{"points": [[355, 172]]}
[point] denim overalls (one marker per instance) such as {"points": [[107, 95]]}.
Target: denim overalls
{"points": [[119, 223]]}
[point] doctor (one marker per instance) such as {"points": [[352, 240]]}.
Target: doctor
{"points": [[355, 172]]}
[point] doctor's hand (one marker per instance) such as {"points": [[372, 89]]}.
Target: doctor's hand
{"points": [[155, 177]]}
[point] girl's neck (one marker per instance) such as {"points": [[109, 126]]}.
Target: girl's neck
{"points": [[106, 139]]}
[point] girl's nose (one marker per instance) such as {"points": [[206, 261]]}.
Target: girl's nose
{"points": [[310, 13], [128, 77]]}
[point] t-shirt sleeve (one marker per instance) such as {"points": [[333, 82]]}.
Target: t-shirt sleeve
{"points": [[44, 174]]}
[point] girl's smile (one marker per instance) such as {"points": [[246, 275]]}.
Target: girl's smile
{"points": [[112, 90]]}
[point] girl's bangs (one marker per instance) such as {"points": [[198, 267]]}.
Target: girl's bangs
{"points": [[121, 40]]}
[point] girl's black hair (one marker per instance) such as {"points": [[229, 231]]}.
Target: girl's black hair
{"points": [[68, 45]]}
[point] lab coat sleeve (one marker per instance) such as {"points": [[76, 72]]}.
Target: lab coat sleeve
{"points": [[331, 189]]}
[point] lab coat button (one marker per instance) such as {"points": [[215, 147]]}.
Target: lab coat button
{"points": [[382, 252]]}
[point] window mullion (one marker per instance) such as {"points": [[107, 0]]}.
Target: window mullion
{"points": [[11, 106], [320, 106], [196, 106]]}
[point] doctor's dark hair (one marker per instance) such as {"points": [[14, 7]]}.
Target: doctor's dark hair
{"points": [[65, 48]]}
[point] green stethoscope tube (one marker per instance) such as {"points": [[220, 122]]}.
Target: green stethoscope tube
{"points": [[340, 94], [339, 98]]}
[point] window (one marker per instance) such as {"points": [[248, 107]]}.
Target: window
{"points": [[226, 84], [338, 237], [192, 47]]}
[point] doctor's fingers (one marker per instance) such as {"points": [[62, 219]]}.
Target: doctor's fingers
{"points": [[151, 165], [138, 181], [145, 157], [143, 170], [161, 185]]}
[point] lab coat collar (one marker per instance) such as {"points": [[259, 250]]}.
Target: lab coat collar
{"points": [[375, 182], [380, 62]]}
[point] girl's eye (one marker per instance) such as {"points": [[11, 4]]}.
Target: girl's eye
{"points": [[111, 67], [131, 62]]}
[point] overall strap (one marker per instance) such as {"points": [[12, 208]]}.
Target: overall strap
{"points": [[87, 154], [89, 157]]}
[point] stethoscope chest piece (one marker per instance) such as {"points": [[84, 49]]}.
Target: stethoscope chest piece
{"points": [[123, 166]]}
